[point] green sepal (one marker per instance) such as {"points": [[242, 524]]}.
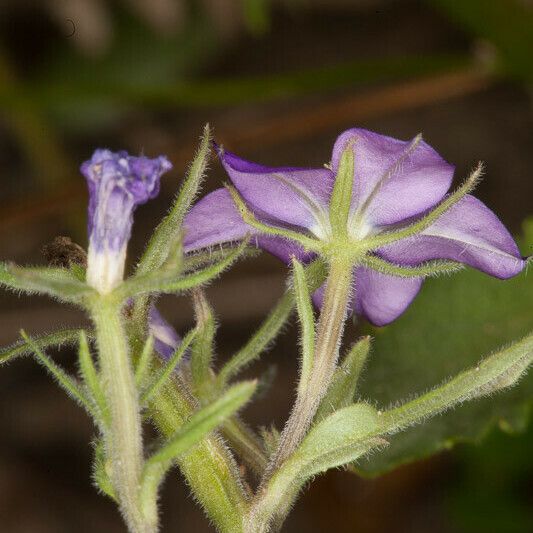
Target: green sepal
{"points": [[164, 373], [427, 269], [59, 283], [52, 340], [341, 392], [421, 224], [308, 243], [161, 282], [168, 233], [341, 197], [315, 274], [202, 258]]}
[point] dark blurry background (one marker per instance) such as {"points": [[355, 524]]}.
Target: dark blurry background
{"points": [[278, 80]]}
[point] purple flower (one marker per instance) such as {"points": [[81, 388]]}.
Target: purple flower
{"points": [[395, 184], [117, 184], [166, 340]]}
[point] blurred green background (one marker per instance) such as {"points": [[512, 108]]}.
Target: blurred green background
{"points": [[278, 80]]}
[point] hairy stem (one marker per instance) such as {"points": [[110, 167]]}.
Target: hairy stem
{"points": [[329, 334], [123, 438]]}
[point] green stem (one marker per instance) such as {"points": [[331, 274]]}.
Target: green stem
{"points": [[123, 438], [246, 444], [329, 333]]}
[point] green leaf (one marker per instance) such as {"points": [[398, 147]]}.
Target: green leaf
{"points": [[59, 283], [451, 324], [56, 339], [91, 379], [102, 471], [494, 374], [67, 383], [341, 392], [203, 345], [169, 230], [209, 467], [142, 366], [341, 438]]}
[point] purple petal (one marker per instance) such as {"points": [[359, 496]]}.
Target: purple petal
{"points": [[284, 249], [166, 340], [469, 232], [380, 298], [117, 183], [393, 180], [293, 196], [214, 220]]}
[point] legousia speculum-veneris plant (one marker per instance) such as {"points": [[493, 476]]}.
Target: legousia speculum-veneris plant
{"points": [[359, 236]]}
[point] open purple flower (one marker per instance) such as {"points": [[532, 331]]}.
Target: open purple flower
{"points": [[117, 184], [399, 218]]}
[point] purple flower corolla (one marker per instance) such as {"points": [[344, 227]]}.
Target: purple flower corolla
{"points": [[117, 184], [395, 184], [166, 340]]}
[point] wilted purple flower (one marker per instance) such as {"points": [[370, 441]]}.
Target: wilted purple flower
{"points": [[395, 183], [117, 183]]}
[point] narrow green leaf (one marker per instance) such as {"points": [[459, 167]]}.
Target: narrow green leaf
{"points": [[341, 392], [162, 282], [59, 283], [203, 345], [143, 364], [209, 467], [56, 339], [271, 326], [304, 308], [341, 197], [166, 371], [484, 314], [192, 432], [340, 439], [203, 422], [67, 383], [497, 372], [91, 379], [168, 232]]}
